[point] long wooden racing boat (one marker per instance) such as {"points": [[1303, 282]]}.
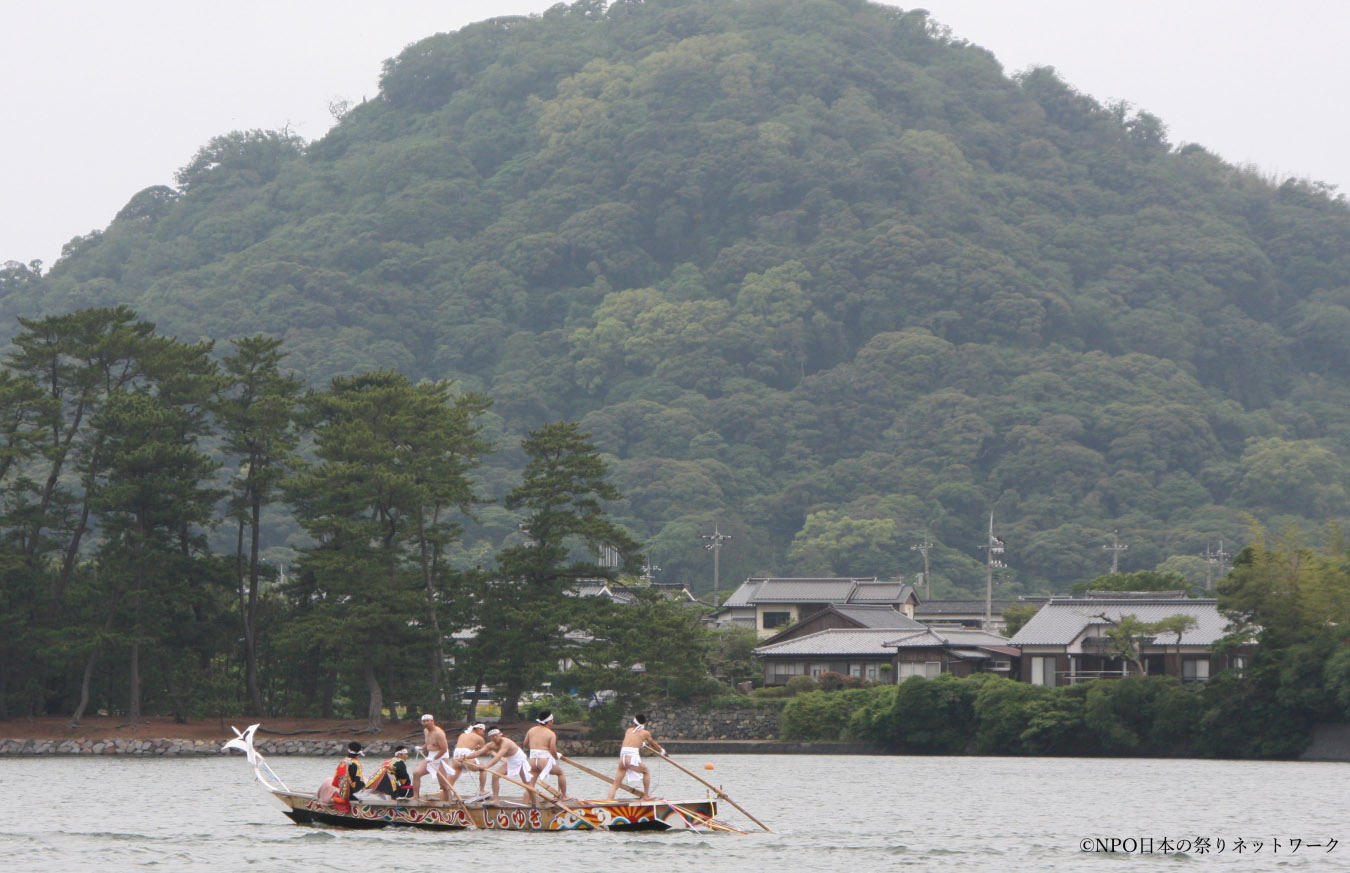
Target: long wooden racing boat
{"points": [[621, 815]]}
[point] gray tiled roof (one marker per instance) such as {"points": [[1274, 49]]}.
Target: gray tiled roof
{"points": [[804, 591], [875, 616], [1060, 621], [835, 641], [743, 596], [942, 636], [960, 607], [818, 590], [887, 592]]}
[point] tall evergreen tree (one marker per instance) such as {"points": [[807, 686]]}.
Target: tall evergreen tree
{"points": [[525, 609], [258, 418], [154, 498], [393, 458]]}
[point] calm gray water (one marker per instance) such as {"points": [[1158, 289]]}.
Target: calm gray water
{"points": [[855, 814]]}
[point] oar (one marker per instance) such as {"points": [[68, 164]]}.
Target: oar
{"points": [[450, 792], [680, 812], [720, 793], [712, 822], [558, 803], [468, 816], [598, 775]]}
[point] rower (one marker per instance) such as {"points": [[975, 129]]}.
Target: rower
{"points": [[543, 745], [630, 757]]}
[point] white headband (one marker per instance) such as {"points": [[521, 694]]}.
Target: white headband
{"points": [[545, 720], [637, 723]]}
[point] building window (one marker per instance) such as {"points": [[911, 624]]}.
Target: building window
{"points": [[925, 669], [776, 619], [871, 671], [1195, 670], [1043, 671], [855, 670], [1239, 665]]}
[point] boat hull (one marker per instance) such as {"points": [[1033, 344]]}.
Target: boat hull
{"points": [[305, 809]]}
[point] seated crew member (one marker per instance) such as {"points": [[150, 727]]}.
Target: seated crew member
{"points": [[392, 779], [347, 778]]}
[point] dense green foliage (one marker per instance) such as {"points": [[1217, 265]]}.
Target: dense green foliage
{"points": [[121, 451], [1293, 601], [807, 268], [990, 715]]}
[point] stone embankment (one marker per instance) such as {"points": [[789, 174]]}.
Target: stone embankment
{"points": [[147, 748], [695, 723], [749, 729]]}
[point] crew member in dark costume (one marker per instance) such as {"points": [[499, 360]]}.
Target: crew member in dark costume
{"points": [[347, 778], [392, 779]]}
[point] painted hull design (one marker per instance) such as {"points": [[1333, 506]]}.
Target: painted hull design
{"points": [[618, 816]]}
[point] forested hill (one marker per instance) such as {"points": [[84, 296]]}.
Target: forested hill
{"points": [[809, 269]]}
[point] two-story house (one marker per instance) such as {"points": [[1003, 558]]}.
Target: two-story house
{"points": [[771, 603]]}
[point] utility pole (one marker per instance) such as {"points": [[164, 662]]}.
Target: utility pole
{"points": [[649, 571], [992, 561], [922, 548], [1115, 551], [713, 543], [1214, 560]]}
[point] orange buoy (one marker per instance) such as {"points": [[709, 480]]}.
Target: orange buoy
{"points": [[708, 766]]}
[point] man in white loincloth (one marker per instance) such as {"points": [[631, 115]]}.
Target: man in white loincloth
{"points": [[469, 745], [515, 764], [437, 749], [630, 758], [543, 745]]}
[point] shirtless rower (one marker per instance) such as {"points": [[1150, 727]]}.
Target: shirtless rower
{"points": [[630, 757], [514, 763], [436, 748], [543, 745], [469, 745]]}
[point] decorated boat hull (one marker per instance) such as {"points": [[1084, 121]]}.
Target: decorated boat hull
{"points": [[305, 808], [618, 816]]}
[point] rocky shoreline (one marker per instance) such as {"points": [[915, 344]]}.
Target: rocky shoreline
{"points": [[169, 748]]}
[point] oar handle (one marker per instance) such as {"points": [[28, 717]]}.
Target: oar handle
{"points": [[598, 775], [720, 793]]}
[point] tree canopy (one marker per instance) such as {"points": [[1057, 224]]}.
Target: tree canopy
{"points": [[812, 270]]}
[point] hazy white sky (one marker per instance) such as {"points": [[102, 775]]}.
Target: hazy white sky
{"points": [[103, 99]]}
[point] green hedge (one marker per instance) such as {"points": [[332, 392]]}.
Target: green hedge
{"points": [[1150, 715]]}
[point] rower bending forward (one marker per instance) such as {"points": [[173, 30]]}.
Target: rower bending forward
{"points": [[630, 757]]}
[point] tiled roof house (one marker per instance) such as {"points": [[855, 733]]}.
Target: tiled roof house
{"points": [[773, 602], [1065, 642]]}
